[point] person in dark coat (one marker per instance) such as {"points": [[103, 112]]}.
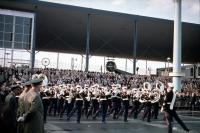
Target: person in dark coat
{"points": [[170, 112], [125, 106], [11, 109], [193, 102], [103, 107], [77, 107]]}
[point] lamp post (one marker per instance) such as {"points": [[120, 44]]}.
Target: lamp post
{"points": [[5, 54], [149, 69], [168, 60]]}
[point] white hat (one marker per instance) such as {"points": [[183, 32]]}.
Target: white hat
{"points": [[170, 84]]}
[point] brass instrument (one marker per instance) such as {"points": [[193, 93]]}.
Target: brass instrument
{"points": [[145, 93], [135, 93], [156, 92]]}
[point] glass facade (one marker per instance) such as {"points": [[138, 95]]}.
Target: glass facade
{"points": [[15, 29]]}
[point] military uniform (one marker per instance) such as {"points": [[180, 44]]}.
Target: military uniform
{"points": [[103, 107], [125, 106], [171, 113], [45, 100], [94, 105], [10, 113], [147, 110], [78, 107], [33, 117]]}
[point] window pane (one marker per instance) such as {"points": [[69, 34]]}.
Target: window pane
{"points": [[18, 45], [1, 18], [26, 30], [27, 21], [1, 26], [19, 20], [18, 29], [1, 35], [26, 46], [1, 44], [8, 36], [8, 28], [8, 19], [7, 44], [26, 38], [18, 37]]}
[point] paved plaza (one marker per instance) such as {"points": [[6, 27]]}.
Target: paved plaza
{"points": [[55, 125]]}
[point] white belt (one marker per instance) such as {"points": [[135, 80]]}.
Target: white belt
{"points": [[103, 99], [79, 99], [125, 99], [45, 98]]}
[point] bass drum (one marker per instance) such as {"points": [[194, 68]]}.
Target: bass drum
{"points": [[110, 66]]}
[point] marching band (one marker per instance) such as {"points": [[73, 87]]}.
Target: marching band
{"points": [[92, 100]]}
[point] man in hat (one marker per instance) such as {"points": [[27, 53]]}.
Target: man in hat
{"points": [[170, 112], [21, 106], [11, 109], [33, 117]]}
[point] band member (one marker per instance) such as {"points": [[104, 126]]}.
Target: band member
{"points": [[103, 107], [54, 101], [155, 110], [193, 100], [136, 103], [125, 105], [86, 102], [147, 109], [170, 112], [66, 103], [94, 105], [116, 103], [78, 106], [45, 95]]}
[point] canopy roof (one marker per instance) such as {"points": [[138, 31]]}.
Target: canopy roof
{"points": [[62, 28]]}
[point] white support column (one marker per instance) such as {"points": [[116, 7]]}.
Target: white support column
{"points": [[13, 42], [88, 43], [126, 65], [104, 64], [177, 47], [146, 67], [33, 39], [57, 60]]}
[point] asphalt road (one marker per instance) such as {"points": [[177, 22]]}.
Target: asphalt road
{"points": [[55, 125]]}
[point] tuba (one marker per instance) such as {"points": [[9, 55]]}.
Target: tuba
{"points": [[156, 92], [35, 76], [160, 86], [145, 94], [44, 78]]}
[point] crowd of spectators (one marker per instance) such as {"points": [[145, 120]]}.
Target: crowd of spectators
{"points": [[9, 76]]}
